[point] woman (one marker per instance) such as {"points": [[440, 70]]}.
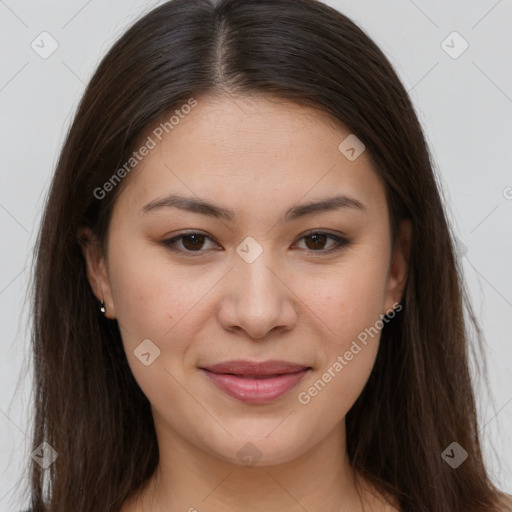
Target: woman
{"points": [[246, 295]]}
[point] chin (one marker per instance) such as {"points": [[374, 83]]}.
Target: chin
{"points": [[260, 451]]}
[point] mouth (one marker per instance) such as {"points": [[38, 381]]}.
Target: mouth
{"points": [[253, 382]]}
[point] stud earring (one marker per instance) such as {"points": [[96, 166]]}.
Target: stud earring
{"points": [[102, 307]]}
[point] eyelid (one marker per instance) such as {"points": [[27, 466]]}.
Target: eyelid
{"points": [[175, 238], [340, 239]]}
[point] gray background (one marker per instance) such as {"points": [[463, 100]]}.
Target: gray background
{"points": [[464, 104]]}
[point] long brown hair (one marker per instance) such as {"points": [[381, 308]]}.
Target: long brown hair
{"points": [[419, 397]]}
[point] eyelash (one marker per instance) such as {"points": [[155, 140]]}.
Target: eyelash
{"points": [[340, 241]]}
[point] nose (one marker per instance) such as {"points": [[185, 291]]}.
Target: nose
{"points": [[258, 299]]}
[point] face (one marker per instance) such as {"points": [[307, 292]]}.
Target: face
{"points": [[255, 277]]}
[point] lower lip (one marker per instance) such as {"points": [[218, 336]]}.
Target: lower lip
{"points": [[256, 390]]}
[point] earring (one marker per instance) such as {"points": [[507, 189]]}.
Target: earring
{"points": [[102, 307]]}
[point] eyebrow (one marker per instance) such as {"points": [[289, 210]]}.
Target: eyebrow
{"points": [[202, 207]]}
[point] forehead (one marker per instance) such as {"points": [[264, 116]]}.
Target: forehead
{"points": [[258, 124], [247, 152]]}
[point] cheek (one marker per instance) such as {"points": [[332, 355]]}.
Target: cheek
{"points": [[151, 299], [153, 303], [334, 389], [347, 299], [349, 304], [167, 304], [347, 354]]}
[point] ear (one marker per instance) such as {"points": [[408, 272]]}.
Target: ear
{"points": [[398, 270], [96, 268]]}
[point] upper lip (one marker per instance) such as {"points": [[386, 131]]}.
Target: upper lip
{"points": [[240, 367]]}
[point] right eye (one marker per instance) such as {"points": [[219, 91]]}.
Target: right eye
{"points": [[192, 242]]}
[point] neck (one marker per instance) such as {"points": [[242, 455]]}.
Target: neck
{"points": [[193, 480]]}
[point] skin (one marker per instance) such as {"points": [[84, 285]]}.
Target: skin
{"points": [[257, 157]]}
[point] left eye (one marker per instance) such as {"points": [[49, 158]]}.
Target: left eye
{"points": [[319, 238], [194, 241]]}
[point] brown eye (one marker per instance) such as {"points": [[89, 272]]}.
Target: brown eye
{"points": [[193, 242], [316, 241], [190, 243]]}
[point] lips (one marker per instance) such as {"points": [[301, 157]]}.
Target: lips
{"points": [[256, 382], [255, 369]]}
